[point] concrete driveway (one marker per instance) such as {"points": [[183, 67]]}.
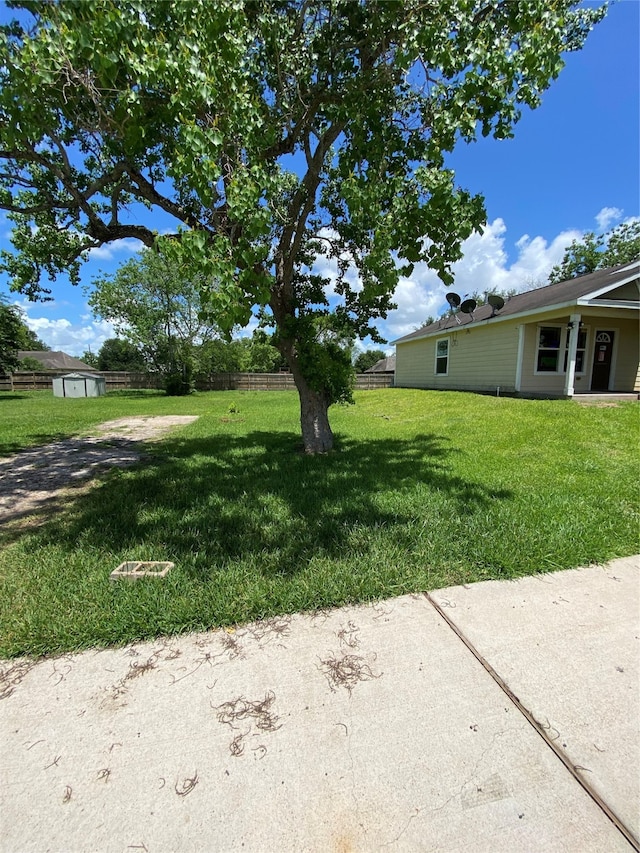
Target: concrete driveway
{"points": [[502, 716]]}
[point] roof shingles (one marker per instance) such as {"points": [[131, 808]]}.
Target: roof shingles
{"points": [[532, 300]]}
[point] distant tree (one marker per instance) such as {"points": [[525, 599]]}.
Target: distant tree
{"points": [[256, 354], [29, 363], [154, 302], [117, 354], [15, 335], [480, 299], [367, 359], [90, 358], [30, 341], [581, 257], [260, 354], [217, 356], [621, 245], [10, 336]]}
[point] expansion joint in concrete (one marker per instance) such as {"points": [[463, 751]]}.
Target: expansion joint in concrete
{"points": [[539, 727]]}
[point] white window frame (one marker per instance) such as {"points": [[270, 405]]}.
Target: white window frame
{"points": [[446, 341], [562, 350]]}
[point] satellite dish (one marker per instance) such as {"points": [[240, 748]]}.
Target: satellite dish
{"points": [[453, 299], [496, 302], [468, 306]]}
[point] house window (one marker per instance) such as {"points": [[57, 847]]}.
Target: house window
{"points": [[580, 351], [553, 341], [442, 357], [549, 338]]}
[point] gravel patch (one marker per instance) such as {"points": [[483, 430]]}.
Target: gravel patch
{"points": [[33, 479]]}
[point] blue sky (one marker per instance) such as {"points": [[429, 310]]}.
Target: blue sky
{"points": [[572, 167]]}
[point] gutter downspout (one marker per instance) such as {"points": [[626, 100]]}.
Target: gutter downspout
{"points": [[569, 379], [519, 358]]}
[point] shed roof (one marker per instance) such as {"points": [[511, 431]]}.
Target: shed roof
{"points": [[552, 295], [77, 375]]}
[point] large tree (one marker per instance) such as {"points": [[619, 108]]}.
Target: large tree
{"points": [[274, 132], [118, 354], [594, 251], [10, 336], [154, 302], [29, 340], [15, 335]]}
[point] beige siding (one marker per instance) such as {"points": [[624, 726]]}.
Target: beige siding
{"points": [[412, 359], [481, 358], [484, 356], [542, 383], [626, 372], [627, 357]]}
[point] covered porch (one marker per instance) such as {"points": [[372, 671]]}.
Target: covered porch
{"points": [[586, 353]]}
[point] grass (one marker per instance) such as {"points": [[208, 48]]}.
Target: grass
{"points": [[425, 489]]}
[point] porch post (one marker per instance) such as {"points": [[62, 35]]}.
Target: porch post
{"points": [[569, 378]]}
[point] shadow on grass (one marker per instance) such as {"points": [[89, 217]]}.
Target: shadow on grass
{"points": [[137, 392], [37, 440], [220, 500], [8, 395]]}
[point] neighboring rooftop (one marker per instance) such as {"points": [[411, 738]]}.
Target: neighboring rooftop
{"points": [[564, 292], [56, 360], [385, 365]]}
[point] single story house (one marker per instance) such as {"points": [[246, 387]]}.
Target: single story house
{"points": [[385, 365], [577, 336], [57, 360]]}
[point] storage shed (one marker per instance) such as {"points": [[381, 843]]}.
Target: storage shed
{"points": [[79, 385]]}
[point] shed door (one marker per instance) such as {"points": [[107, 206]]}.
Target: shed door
{"points": [[602, 353]]}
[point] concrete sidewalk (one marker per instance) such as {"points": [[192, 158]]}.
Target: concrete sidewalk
{"points": [[502, 716]]}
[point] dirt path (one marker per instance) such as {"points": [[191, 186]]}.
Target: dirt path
{"points": [[33, 479]]}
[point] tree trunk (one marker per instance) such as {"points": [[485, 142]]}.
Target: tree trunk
{"points": [[314, 419], [317, 436]]}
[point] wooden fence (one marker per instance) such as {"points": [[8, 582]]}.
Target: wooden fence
{"points": [[41, 380], [280, 382], [28, 380]]}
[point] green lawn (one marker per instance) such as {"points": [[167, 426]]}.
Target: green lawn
{"points": [[425, 489]]}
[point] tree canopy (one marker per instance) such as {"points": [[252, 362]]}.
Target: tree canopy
{"points": [[30, 341], [620, 245], [154, 302], [10, 336], [118, 354], [15, 335], [241, 355], [365, 360], [274, 134]]}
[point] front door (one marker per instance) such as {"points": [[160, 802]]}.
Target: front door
{"points": [[602, 354]]}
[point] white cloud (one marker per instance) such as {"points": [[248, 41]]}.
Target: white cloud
{"points": [[417, 298], [607, 216], [109, 251], [248, 330], [484, 267], [62, 334]]}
